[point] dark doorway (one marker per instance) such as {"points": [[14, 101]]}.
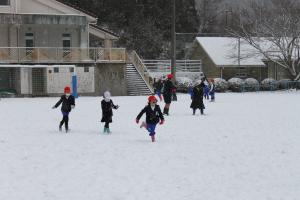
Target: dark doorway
{"points": [[38, 82]]}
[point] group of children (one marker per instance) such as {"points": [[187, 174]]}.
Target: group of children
{"points": [[153, 112]]}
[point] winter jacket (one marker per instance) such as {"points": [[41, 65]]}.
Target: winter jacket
{"points": [[152, 116], [168, 91], [66, 103], [197, 99], [107, 112]]}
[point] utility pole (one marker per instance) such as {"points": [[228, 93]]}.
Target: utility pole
{"points": [[173, 40]]}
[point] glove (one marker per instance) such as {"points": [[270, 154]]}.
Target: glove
{"points": [[53, 107], [72, 106], [117, 106], [174, 90], [137, 121], [161, 122]]}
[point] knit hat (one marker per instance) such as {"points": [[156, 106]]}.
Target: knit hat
{"points": [[106, 96], [67, 90], [152, 98], [170, 76]]}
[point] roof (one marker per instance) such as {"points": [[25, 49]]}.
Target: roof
{"points": [[78, 8], [99, 32], [224, 51]]}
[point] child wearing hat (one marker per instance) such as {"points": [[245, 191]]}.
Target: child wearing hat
{"points": [[68, 103], [107, 105], [153, 116], [168, 90]]}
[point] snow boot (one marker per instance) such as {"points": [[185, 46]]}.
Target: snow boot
{"points": [[194, 111], [201, 110]]}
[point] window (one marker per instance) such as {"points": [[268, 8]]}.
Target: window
{"points": [[66, 43], [4, 2], [29, 43], [241, 72], [71, 69], [86, 69], [56, 70]]}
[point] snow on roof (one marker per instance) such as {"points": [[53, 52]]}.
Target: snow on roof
{"points": [[224, 51]]}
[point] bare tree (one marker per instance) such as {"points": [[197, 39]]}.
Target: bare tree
{"points": [[273, 29]]}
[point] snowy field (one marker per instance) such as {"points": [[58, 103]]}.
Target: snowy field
{"points": [[246, 147]]}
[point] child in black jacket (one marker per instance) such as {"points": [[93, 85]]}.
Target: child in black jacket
{"points": [[107, 105], [68, 103], [153, 115], [197, 99]]}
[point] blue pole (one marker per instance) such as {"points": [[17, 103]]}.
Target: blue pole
{"points": [[74, 86]]}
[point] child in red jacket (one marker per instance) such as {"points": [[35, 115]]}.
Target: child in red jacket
{"points": [[153, 116]]}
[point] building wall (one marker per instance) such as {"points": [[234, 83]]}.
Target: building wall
{"points": [[57, 81], [208, 67], [259, 73], [48, 30], [110, 77], [278, 73]]}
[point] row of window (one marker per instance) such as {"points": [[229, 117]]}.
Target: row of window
{"points": [[66, 40], [4, 2], [71, 70]]}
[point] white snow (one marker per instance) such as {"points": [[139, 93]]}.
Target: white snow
{"points": [[224, 51], [246, 147]]}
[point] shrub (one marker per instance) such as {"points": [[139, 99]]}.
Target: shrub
{"points": [[284, 84], [269, 84], [236, 84], [221, 85], [183, 83], [251, 84]]}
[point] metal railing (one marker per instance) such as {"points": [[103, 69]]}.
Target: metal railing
{"points": [[61, 55], [181, 65], [134, 58]]}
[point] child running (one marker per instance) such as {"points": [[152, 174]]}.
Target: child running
{"points": [[153, 115], [68, 103], [107, 105]]}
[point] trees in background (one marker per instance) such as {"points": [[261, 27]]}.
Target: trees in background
{"points": [[273, 29]]}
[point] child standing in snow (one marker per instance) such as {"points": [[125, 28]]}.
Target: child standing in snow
{"points": [[107, 105], [153, 115], [68, 103], [197, 99], [212, 90], [206, 91], [168, 90]]}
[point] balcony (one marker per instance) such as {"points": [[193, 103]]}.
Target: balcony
{"points": [[49, 55]]}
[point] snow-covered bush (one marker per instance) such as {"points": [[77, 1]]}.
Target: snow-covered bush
{"points": [[284, 84], [221, 85], [235, 84], [269, 84], [183, 83], [251, 84]]}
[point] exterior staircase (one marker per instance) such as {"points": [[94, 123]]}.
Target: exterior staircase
{"points": [[136, 85]]}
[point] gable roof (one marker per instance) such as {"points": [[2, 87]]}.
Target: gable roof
{"points": [[103, 33], [78, 8], [65, 8], [224, 51]]}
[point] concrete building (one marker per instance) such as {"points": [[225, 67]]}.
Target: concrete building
{"points": [[44, 42]]}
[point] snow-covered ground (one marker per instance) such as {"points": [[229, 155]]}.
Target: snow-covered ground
{"points": [[246, 147]]}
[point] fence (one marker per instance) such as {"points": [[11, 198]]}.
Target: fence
{"points": [[61, 55], [164, 66], [286, 85]]}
